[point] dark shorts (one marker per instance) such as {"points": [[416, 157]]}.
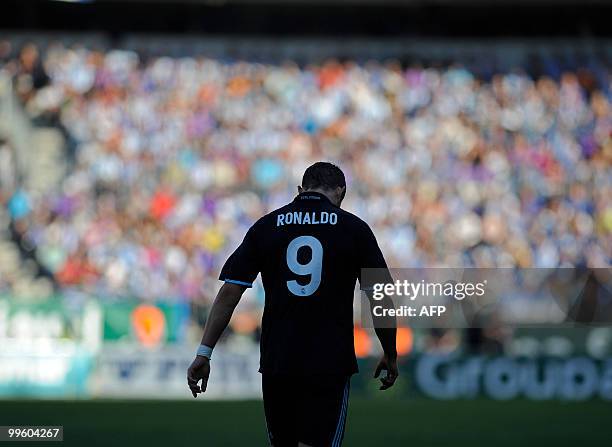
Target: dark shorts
{"points": [[309, 409]]}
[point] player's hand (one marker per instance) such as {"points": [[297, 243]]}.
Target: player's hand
{"points": [[390, 367], [198, 370]]}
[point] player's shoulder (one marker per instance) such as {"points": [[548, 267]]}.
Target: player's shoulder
{"points": [[353, 220], [269, 219], [346, 219]]}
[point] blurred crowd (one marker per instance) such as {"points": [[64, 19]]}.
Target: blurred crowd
{"points": [[174, 158]]}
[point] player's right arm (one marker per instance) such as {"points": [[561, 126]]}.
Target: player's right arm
{"points": [[387, 337], [371, 257]]}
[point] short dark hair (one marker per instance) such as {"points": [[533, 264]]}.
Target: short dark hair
{"points": [[323, 175]]}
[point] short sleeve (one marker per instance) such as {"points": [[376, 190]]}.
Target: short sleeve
{"points": [[242, 266], [370, 257]]}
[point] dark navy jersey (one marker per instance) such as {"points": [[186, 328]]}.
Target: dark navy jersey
{"points": [[310, 254]]}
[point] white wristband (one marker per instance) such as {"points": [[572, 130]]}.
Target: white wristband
{"points": [[205, 351]]}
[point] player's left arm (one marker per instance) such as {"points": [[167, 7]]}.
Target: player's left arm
{"points": [[220, 315], [238, 274]]}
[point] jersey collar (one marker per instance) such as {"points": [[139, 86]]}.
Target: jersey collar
{"points": [[312, 196]]}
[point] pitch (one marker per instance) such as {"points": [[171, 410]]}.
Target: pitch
{"points": [[417, 422]]}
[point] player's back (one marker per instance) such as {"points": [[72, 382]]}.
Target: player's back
{"points": [[309, 253]]}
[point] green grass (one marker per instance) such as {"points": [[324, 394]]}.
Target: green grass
{"points": [[371, 422]]}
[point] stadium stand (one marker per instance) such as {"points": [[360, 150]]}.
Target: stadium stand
{"points": [[168, 160]]}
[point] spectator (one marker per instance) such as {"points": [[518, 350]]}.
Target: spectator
{"points": [[177, 157]]}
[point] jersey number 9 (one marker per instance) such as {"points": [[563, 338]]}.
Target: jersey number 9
{"points": [[311, 268]]}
